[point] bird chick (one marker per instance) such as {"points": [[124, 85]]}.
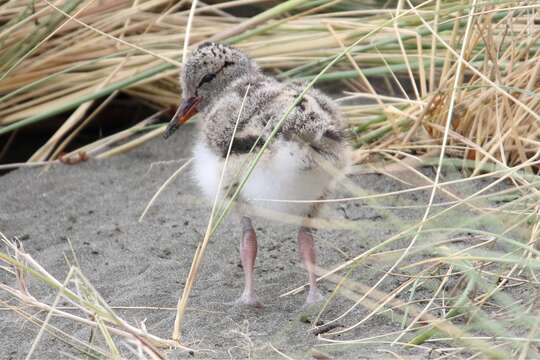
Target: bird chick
{"points": [[214, 81]]}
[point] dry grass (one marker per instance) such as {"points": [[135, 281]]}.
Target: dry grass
{"points": [[462, 93]]}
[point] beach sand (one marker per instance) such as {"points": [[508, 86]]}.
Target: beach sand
{"points": [[140, 268]]}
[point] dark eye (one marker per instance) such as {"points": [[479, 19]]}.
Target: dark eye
{"points": [[207, 78]]}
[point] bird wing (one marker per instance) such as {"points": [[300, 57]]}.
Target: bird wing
{"points": [[314, 122]]}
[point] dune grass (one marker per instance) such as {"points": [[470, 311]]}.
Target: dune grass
{"points": [[448, 84]]}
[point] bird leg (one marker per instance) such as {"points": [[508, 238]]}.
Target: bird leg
{"points": [[306, 249], [248, 253]]}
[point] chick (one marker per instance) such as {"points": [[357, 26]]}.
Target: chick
{"points": [[215, 79]]}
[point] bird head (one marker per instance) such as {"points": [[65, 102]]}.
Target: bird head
{"points": [[208, 70]]}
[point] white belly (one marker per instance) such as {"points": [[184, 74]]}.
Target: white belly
{"points": [[280, 175]]}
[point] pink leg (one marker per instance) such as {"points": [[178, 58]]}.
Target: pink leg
{"points": [[306, 248], [248, 253]]}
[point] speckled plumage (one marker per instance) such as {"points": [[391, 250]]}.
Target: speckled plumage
{"points": [[290, 168]]}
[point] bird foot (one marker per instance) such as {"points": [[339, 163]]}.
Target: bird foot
{"points": [[314, 296], [248, 300]]}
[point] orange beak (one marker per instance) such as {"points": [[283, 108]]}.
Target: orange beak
{"points": [[187, 109]]}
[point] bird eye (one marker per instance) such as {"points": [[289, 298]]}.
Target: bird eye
{"points": [[207, 78]]}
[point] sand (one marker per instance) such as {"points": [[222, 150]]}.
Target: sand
{"points": [[96, 205]]}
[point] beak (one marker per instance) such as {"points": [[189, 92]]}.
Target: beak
{"points": [[184, 112]]}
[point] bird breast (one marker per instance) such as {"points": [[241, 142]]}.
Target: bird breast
{"points": [[284, 172]]}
